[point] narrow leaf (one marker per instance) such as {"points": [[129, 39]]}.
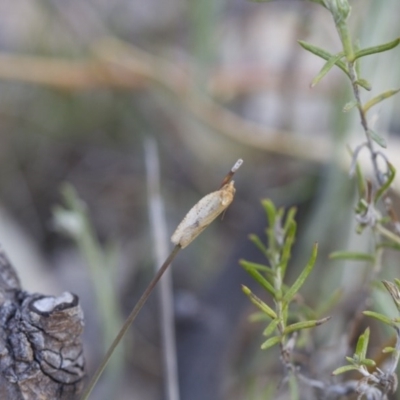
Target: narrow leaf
{"points": [[260, 279], [270, 209], [368, 362], [360, 181], [287, 247], [304, 325], [379, 193], [352, 360], [259, 303], [350, 105], [323, 54], [351, 255], [302, 277], [291, 214], [326, 56], [344, 369], [280, 213], [256, 266], [389, 245], [377, 138], [364, 83], [362, 345], [378, 316], [259, 244], [327, 67], [270, 342], [388, 350], [377, 49], [377, 99], [271, 327]]}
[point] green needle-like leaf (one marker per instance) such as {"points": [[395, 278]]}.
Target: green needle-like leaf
{"points": [[302, 277], [260, 279], [291, 214], [287, 247], [352, 361], [270, 342], [271, 327], [360, 181], [327, 67], [377, 99], [377, 49], [388, 350], [362, 345], [364, 83], [389, 245], [270, 209], [350, 255], [323, 54], [380, 317], [379, 193], [342, 370], [259, 303], [259, 244], [368, 362], [326, 56], [256, 266], [304, 325]]}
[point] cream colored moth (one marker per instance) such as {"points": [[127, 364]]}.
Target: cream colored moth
{"points": [[205, 211]]}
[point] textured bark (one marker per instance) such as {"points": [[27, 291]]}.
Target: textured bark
{"points": [[41, 355]]}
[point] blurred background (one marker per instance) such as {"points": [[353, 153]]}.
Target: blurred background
{"points": [[91, 92]]}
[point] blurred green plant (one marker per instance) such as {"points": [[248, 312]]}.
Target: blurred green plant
{"points": [[73, 221]]}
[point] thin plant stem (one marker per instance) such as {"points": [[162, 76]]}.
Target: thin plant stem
{"points": [[364, 121], [132, 316]]}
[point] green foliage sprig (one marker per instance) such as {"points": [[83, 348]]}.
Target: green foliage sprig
{"points": [[280, 330], [380, 382]]}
